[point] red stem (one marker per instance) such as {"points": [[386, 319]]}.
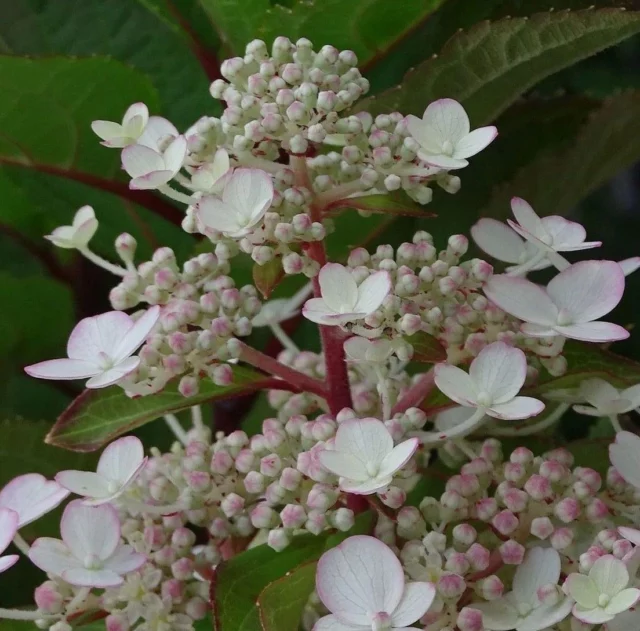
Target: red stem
{"points": [[416, 394]]}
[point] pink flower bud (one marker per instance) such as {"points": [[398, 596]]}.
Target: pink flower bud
{"points": [[255, 483], [486, 508], [278, 539], [589, 476], [561, 538], [196, 608], [521, 455], [541, 527], [505, 522], [270, 465], [597, 510], [477, 466], [490, 588], [182, 569], [245, 461], [232, 505], [316, 522], [457, 563], [464, 534], [393, 497], [182, 538], [293, 516], [222, 375], [561, 455], [451, 586], [553, 470], [290, 479], [165, 556], [469, 619], [549, 595], [48, 598], [567, 510], [512, 552], [172, 590], [221, 462], [538, 487], [198, 480], [515, 500], [219, 528], [116, 622], [263, 516], [321, 497], [478, 556], [621, 548]]}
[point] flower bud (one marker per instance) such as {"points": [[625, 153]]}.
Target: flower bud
{"points": [[278, 539]]}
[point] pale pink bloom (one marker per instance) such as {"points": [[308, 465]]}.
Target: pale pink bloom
{"points": [[100, 348], [79, 233], [90, 553], [151, 168], [605, 400], [445, 137], [568, 305], [492, 384], [625, 457], [119, 465], [604, 593], [361, 582], [31, 496], [8, 528], [549, 235], [246, 197], [342, 300], [364, 457]]}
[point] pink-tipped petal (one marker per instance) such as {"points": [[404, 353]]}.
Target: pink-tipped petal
{"points": [[518, 408], [624, 457], [121, 459], [175, 154], [8, 561], [108, 131], [522, 299], [594, 332], [156, 129], [527, 218], [62, 369], [368, 487], [359, 577], [249, 191], [215, 214], [31, 495], [135, 335], [537, 330], [442, 161], [456, 384], [81, 577], [317, 310], [84, 483], [139, 110], [588, 290], [52, 556], [398, 457], [331, 623], [630, 534], [372, 292], [343, 464], [415, 602], [475, 142], [499, 370], [98, 334], [90, 530], [338, 288], [151, 180], [115, 374], [448, 118], [630, 265], [9, 521], [138, 161], [498, 241], [124, 560], [364, 438]]}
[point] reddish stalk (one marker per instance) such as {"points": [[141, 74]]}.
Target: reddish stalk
{"points": [[418, 392]]}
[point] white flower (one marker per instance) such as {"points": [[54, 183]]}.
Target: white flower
{"points": [[602, 594], [31, 496], [495, 377], [90, 553], [549, 235], [625, 457], [281, 309], [211, 176], [605, 400], [360, 349], [630, 265], [361, 582], [342, 299], [100, 348], [119, 465], [246, 197], [79, 233], [522, 608], [364, 457], [568, 306], [8, 528], [444, 135], [151, 168]]}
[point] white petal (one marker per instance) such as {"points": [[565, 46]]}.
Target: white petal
{"points": [[151, 180], [107, 130], [538, 330], [631, 534], [544, 617], [90, 530], [448, 419], [565, 233], [83, 214], [372, 292], [175, 154], [218, 215], [138, 160], [624, 457], [115, 374], [594, 615], [598, 392], [497, 615], [521, 298], [9, 520], [527, 218], [632, 395], [623, 601], [85, 483], [62, 369], [31, 495], [96, 335], [338, 288], [52, 555], [518, 408], [442, 161], [498, 240], [343, 464], [609, 574], [250, 192], [121, 459], [331, 623], [448, 118], [124, 560], [8, 561], [499, 370], [475, 142], [367, 439], [359, 576], [136, 334], [582, 589], [456, 384], [588, 290], [156, 130], [630, 265], [594, 332], [82, 577], [398, 457], [587, 410], [425, 135], [138, 110], [415, 602], [367, 487], [541, 566]]}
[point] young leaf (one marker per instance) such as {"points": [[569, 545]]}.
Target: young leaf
{"points": [[427, 348], [488, 67], [98, 416], [396, 203], [267, 277]]}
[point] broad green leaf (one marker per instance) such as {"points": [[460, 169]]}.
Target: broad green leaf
{"points": [[556, 181], [489, 66], [266, 277], [368, 27], [426, 348], [98, 416], [281, 603], [397, 203]]}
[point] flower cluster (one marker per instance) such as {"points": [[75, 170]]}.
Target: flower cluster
{"points": [[532, 543]]}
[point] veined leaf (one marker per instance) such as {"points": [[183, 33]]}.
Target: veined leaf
{"points": [[426, 348], [489, 66], [266, 277], [396, 203], [98, 416]]}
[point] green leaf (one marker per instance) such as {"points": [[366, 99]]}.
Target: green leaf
{"points": [[426, 348], [267, 277], [368, 27], [488, 67], [281, 603], [556, 181], [396, 203], [98, 416]]}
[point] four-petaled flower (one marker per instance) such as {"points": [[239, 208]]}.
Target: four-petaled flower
{"points": [[445, 137], [151, 168], [246, 197], [605, 400], [602, 594], [8, 527], [364, 457], [624, 457], [522, 609], [119, 465], [342, 299], [568, 306], [90, 553], [79, 233], [100, 347], [361, 582], [280, 310], [31, 496]]}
